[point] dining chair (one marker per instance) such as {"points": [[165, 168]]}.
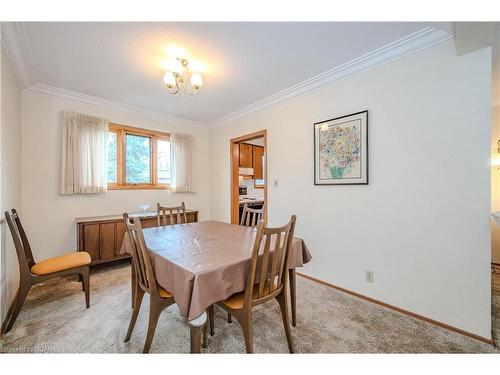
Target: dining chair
{"points": [[250, 217], [266, 279], [178, 212], [31, 272], [145, 282]]}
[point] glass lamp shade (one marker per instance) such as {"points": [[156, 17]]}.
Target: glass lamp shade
{"points": [[169, 79], [196, 80]]}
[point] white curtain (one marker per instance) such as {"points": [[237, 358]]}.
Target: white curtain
{"points": [[84, 159], [182, 163]]}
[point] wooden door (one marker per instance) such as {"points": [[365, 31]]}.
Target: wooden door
{"points": [[258, 155], [246, 155], [107, 241], [91, 240], [119, 235]]}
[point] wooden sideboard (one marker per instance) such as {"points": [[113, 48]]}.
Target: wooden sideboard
{"points": [[102, 236]]}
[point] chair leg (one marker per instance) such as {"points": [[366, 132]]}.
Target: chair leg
{"points": [[137, 307], [229, 320], [9, 312], [133, 286], [246, 324], [245, 321], [293, 295], [155, 310], [16, 306], [284, 314], [211, 319], [86, 286]]}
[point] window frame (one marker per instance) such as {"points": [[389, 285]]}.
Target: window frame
{"points": [[121, 178]]}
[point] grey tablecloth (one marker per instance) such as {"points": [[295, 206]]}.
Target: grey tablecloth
{"points": [[206, 262]]}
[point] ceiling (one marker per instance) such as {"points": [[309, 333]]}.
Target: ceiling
{"points": [[244, 62]]}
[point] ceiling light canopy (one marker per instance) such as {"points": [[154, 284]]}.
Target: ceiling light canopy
{"points": [[179, 78]]}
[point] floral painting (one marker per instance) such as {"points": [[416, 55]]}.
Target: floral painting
{"points": [[341, 150]]}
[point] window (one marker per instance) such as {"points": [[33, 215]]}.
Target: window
{"points": [[138, 158]]}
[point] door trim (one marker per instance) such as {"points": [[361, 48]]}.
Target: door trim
{"points": [[234, 155]]}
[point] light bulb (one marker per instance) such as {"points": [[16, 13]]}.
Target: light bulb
{"points": [[196, 80], [169, 79]]}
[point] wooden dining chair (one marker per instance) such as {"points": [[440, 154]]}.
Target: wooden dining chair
{"points": [[145, 279], [250, 217], [178, 212], [266, 279], [31, 272], [145, 282]]}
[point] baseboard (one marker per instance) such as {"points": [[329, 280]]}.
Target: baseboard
{"points": [[489, 341]]}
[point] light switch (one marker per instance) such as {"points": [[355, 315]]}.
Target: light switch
{"points": [[275, 183]]}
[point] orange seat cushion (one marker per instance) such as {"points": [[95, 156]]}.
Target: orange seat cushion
{"points": [[61, 263], [235, 302], [164, 293]]}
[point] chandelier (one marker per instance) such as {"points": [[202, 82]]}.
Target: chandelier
{"points": [[179, 78]]}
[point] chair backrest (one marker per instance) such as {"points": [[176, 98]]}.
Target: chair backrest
{"points": [[142, 263], [21, 243], [178, 212], [250, 217], [268, 266]]}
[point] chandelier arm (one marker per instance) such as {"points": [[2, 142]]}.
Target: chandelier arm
{"points": [[173, 92], [181, 81]]}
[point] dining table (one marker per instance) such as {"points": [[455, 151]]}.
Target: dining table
{"points": [[205, 262]]}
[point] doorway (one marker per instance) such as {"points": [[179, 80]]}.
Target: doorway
{"points": [[248, 173]]}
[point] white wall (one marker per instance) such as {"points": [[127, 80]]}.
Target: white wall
{"points": [[422, 225], [495, 175], [10, 179], [49, 218], [495, 186]]}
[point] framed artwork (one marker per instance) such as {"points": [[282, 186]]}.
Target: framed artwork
{"points": [[341, 150]]}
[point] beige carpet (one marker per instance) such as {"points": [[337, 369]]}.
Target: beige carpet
{"points": [[54, 319]]}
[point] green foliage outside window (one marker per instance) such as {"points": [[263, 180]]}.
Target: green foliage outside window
{"points": [[138, 153]]}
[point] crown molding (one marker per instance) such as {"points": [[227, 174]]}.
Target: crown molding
{"points": [[15, 43], [88, 99], [412, 43]]}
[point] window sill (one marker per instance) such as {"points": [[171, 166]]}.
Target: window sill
{"points": [[139, 187]]}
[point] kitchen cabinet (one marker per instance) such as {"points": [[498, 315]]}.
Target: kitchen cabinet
{"points": [[102, 236], [246, 155], [258, 162]]}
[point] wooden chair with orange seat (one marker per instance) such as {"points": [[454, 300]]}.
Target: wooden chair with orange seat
{"points": [[250, 217], [32, 273], [266, 280], [145, 282]]}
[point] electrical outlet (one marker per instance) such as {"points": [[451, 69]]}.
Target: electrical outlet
{"points": [[369, 276]]}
